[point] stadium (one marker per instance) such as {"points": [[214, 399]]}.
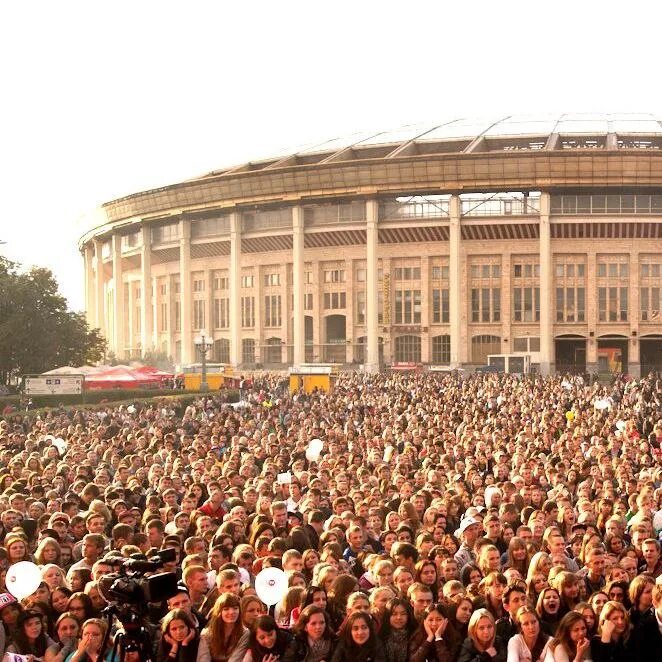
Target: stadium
{"points": [[437, 245]]}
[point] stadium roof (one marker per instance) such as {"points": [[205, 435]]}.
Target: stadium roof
{"points": [[496, 133]]}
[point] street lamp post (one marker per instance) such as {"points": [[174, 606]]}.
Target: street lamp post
{"points": [[204, 344]]}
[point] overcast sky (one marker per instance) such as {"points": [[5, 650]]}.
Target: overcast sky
{"points": [[103, 99]]}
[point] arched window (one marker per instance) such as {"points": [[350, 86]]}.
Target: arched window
{"points": [[481, 346], [248, 350], [441, 349], [273, 352], [222, 350], [408, 349]]}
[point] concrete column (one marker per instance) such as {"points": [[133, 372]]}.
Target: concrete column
{"points": [[426, 310], [317, 310], [298, 321], [349, 311], [209, 312], [185, 291], [146, 306], [634, 363], [119, 343], [131, 319], [235, 288], [546, 289], [99, 290], [506, 302], [258, 294], [454, 282], [155, 314], [89, 285], [591, 294], [372, 284]]}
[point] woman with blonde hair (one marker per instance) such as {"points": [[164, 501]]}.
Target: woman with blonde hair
{"points": [[541, 562], [482, 642], [48, 551], [611, 644], [530, 644]]}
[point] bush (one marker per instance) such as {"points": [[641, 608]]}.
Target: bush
{"points": [[114, 397]]}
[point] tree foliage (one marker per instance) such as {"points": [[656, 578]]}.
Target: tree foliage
{"points": [[37, 330]]}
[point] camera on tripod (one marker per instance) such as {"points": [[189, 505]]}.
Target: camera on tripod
{"points": [[128, 592], [131, 586]]}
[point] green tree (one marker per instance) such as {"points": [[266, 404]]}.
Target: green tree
{"points": [[37, 330]]}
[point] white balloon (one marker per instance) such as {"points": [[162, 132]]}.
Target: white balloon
{"points": [[271, 585], [314, 450], [61, 445], [602, 404], [620, 425], [23, 579]]}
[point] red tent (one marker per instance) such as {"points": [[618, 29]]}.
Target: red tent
{"points": [[125, 377]]}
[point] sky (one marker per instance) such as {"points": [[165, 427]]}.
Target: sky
{"points": [[103, 99]]}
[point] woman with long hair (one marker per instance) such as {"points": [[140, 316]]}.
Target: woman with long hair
{"points": [[541, 562], [641, 597], [426, 574], [428, 643], [225, 637], [48, 551], [482, 642], [267, 642], [459, 610], [491, 590], [67, 629], [251, 608], [518, 556], [489, 560], [530, 644], [314, 595], [30, 637], [567, 584], [571, 643], [59, 600], [534, 587], [313, 640], [343, 585], [179, 637], [585, 609], [397, 626], [358, 641], [81, 606], [610, 644]]}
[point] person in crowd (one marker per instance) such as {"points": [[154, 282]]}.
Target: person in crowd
{"points": [[358, 640], [313, 640], [530, 645], [179, 637], [519, 477], [267, 642], [93, 645], [482, 643], [397, 626], [571, 642], [428, 643], [612, 641]]}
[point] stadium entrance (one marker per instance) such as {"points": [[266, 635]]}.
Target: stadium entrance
{"points": [[570, 353]]}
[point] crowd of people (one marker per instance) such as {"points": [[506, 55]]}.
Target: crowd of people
{"points": [[446, 518]]}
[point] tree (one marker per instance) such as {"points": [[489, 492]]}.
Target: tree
{"points": [[37, 330]]}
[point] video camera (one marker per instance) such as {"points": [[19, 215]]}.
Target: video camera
{"points": [[131, 586]]}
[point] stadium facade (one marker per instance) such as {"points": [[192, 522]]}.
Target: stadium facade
{"points": [[437, 244]]}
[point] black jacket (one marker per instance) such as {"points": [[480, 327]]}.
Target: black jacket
{"points": [[646, 638]]}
